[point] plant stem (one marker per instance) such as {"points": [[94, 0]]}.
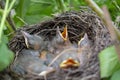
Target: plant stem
{"points": [[5, 13], [95, 7], [9, 19], [114, 33], [3, 19], [1, 11], [8, 26], [11, 22], [11, 5]]}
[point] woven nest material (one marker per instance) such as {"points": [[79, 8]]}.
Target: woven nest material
{"points": [[79, 23]]}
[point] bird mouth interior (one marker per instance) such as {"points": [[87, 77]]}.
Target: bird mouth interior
{"points": [[65, 33], [69, 63]]}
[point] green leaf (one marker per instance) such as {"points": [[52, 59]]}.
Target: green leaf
{"points": [[37, 12], [6, 56], [32, 19], [43, 1], [18, 21], [116, 75], [109, 62], [22, 8], [34, 12]]}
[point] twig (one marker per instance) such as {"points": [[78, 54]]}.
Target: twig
{"points": [[111, 29], [104, 15], [95, 7]]}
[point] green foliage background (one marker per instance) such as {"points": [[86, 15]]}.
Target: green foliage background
{"points": [[27, 12], [35, 11]]}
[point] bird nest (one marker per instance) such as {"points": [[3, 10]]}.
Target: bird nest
{"points": [[78, 23]]}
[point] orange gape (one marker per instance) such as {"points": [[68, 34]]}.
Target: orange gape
{"points": [[79, 57], [70, 63], [65, 33], [60, 41], [65, 37]]}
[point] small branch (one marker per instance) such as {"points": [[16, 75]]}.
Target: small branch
{"points": [[104, 15], [107, 20], [95, 7]]}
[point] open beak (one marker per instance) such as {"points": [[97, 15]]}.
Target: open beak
{"points": [[64, 34], [83, 41], [69, 63]]}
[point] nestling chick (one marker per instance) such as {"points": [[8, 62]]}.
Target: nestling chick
{"points": [[33, 41], [29, 63], [84, 42], [84, 49], [64, 56], [34, 53], [72, 56], [60, 41]]}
